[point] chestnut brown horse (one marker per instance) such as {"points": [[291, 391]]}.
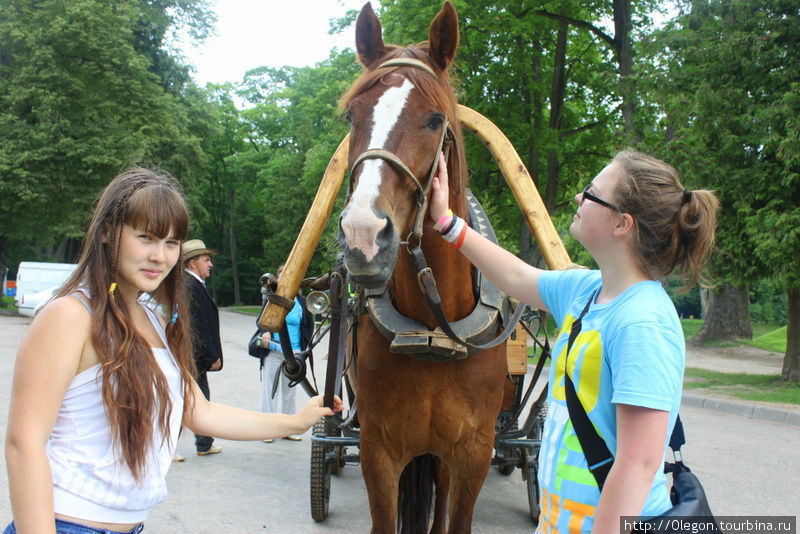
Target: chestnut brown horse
{"points": [[412, 410]]}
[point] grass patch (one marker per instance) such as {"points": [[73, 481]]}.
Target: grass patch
{"points": [[249, 310], [765, 336], [765, 388], [7, 303], [774, 340], [691, 327]]}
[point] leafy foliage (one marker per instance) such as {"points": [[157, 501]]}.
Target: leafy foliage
{"points": [[730, 90], [85, 91]]}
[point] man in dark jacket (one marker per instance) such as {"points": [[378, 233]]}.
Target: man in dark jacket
{"points": [[207, 347]]}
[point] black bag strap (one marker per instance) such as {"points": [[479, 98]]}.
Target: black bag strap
{"points": [[598, 457]]}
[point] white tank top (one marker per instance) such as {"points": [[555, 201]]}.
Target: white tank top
{"points": [[90, 479]]}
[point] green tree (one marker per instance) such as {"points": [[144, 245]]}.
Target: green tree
{"points": [[80, 99], [300, 122], [730, 88], [263, 167]]}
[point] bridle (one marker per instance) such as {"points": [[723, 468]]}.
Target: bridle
{"points": [[446, 138], [424, 274]]}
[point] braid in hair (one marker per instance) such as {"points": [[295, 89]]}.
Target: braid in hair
{"points": [[119, 212]]}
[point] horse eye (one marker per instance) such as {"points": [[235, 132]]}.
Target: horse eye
{"points": [[349, 118], [435, 122]]}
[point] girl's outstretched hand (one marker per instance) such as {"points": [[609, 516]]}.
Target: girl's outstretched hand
{"points": [[440, 191], [314, 410]]}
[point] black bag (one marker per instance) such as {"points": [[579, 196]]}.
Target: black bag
{"points": [[690, 512], [689, 506], [254, 350]]}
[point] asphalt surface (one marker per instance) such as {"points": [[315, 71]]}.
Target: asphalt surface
{"points": [[254, 487]]}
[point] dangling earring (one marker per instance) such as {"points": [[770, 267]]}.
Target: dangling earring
{"points": [[174, 318], [111, 289]]}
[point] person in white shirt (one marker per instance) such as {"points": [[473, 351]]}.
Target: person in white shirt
{"points": [[102, 383]]}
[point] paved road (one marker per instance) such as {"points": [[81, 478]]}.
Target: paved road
{"points": [[264, 488]]}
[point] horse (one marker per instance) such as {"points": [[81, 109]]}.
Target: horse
{"points": [[420, 420]]}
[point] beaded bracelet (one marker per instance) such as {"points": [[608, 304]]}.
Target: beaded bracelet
{"points": [[452, 222], [443, 221]]}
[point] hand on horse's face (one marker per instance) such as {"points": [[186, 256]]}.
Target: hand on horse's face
{"points": [[440, 191]]}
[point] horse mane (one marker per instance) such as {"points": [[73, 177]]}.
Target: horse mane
{"points": [[438, 92]]}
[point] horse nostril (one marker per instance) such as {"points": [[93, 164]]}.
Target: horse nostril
{"points": [[386, 235]]}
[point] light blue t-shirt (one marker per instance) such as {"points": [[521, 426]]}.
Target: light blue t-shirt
{"points": [[629, 351], [293, 319]]}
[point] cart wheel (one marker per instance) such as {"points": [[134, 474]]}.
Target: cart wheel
{"points": [[332, 429], [531, 470], [533, 490], [320, 476]]}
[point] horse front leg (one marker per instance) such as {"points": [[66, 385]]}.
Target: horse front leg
{"points": [[381, 475], [468, 472]]}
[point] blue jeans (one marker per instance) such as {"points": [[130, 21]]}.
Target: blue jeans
{"points": [[67, 527]]}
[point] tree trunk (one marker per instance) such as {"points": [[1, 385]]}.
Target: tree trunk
{"points": [[728, 315], [791, 360], [556, 108], [528, 250], [622, 40], [234, 249]]}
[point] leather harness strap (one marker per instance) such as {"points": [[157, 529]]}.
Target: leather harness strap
{"points": [[338, 334], [408, 62], [428, 286], [421, 192]]}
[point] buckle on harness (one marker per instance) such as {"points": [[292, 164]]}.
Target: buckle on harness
{"points": [[426, 272]]}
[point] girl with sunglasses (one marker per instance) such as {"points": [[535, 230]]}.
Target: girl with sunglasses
{"points": [[626, 364], [102, 383]]}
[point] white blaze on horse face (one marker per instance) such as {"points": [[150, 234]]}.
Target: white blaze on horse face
{"points": [[360, 223]]}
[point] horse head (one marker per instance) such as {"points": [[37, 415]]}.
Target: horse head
{"points": [[399, 111]]}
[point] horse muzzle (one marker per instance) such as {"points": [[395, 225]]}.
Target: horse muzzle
{"points": [[370, 253]]}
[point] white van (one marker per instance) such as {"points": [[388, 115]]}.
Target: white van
{"points": [[36, 283]]}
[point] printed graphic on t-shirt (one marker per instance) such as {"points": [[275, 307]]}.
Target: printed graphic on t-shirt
{"points": [[564, 476]]}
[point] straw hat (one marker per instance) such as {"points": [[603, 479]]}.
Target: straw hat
{"points": [[193, 248]]}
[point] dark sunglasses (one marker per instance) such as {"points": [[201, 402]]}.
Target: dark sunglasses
{"points": [[587, 194]]}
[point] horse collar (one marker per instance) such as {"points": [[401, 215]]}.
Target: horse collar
{"points": [[407, 336]]}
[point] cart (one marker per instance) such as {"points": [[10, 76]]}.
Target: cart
{"points": [[335, 439]]}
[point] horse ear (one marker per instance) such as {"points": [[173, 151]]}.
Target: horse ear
{"points": [[369, 42], [443, 36]]}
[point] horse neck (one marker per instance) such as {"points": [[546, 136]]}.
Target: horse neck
{"points": [[451, 270]]}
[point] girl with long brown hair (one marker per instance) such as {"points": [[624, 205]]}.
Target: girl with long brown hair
{"points": [[625, 361], [103, 383]]}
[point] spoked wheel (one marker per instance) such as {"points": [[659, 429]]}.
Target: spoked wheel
{"points": [[534, 504], [530, 469], [320, 475]]}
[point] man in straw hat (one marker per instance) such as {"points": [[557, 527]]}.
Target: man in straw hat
{"points": [[207, 347]]}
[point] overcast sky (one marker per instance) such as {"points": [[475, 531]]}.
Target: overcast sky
{"points": [[252, 33]]}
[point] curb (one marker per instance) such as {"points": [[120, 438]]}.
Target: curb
{"points": [[765, 413]]}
